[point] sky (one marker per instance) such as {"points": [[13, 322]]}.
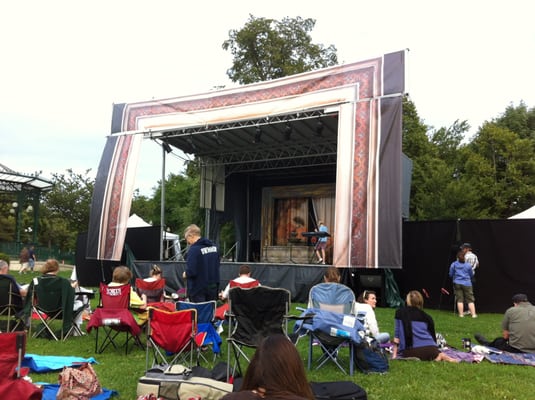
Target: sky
{"points": [[65, 63]]}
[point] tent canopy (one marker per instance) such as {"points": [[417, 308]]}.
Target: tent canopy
{"points": [[135, 221], [526, 214]]}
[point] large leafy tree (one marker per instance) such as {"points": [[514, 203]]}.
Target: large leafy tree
{"points": [[266, 49]]}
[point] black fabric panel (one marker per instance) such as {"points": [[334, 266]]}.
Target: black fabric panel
{"points": [[117, 118], [394, 73], [390, 220]]}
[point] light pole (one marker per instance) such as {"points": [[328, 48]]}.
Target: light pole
{"points": [[15, 209]]}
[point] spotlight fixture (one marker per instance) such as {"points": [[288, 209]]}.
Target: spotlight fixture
{"points": [[287, 131], [257, 135], [166, 147], [319, 127]]}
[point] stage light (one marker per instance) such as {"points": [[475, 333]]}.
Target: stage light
{"points": [[319, 128], [257, 135], [288, 131], [166, 147]]}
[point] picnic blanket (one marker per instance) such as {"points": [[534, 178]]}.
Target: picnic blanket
{"points": [[461, 356], [38, 363], [504, 357], [51, 389]]}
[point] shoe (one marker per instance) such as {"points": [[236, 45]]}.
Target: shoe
{"points": [[323, 262], [481, 339], [320, 261], [474, 316], [461, 316]]}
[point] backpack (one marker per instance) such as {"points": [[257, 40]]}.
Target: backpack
{"points": [[341, 390], [369, 357]]}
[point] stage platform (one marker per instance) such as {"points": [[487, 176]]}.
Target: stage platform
{"points": [[297, 278]]}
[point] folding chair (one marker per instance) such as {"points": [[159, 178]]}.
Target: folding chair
{"points": [[114, 317], [335, 303], [171, 336], [50, 298], [154, 290], [11, 304], [207, 333], [12, 350], [254, 314]]}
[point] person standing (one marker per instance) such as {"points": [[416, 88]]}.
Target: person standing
{"points": [[462, 273], [24, 258], [518, 328], [31, 258], [321, 244], [202, 266], [470, 256]]}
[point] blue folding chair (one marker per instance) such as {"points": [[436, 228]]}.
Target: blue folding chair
{"points": [[205, 324]]}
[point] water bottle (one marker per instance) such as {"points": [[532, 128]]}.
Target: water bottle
{"points": [[340, 333]]}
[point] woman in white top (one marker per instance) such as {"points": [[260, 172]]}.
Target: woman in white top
{"points": [[365, 304]]}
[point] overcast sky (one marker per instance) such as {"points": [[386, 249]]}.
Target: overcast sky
{"points": [[65, 63]]}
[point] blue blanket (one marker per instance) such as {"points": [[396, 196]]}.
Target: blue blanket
{"points": [[512, 358], [38, 363], [51, 389]]}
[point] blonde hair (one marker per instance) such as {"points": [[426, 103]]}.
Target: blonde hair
{"points": [[122, 274], [155, 270], [51, 265], [415, 299], [192, 230]]}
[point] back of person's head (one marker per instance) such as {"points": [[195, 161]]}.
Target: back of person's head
{"points": [[4, 267], [332, 275], [245, 270], [155, 270], [192, 230], [520, 298], [460, 255], [122, 274], [415, 299], [277, 368], [50, 266]]}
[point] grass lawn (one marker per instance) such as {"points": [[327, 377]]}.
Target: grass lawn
{"points": [[405, 380]]}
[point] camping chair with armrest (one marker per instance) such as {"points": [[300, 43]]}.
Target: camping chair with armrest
{"points": [[113, 316], [154, 290], [11, 304], [50, 298], [207, 334], [223, 309], [171, 337], [333, 326], [12, 350], [254, 314]]}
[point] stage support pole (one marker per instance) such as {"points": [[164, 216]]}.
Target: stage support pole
{"points": [[162, 203]]}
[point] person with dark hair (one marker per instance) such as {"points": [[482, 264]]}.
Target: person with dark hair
{"points": [[276, 371], [331, 275], [518, 327], [244, 279], [469, 256], [202, 266], [461, 273], [365, 305], [414, 332], [138, 304]]}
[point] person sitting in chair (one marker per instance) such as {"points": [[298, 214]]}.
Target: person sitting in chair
{"points": [[243, 280], [122, 276], [4, 270], [155, 274]]}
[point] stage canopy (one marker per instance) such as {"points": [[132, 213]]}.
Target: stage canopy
{"points": [[331, 138]]}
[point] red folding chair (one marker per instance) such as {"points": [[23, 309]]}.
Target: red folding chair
{"points": [[171, 337], [154, 290], [114, 317], [12, 349]]}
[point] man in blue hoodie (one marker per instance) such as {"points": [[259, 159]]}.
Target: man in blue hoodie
{"points": [[202, 266]]}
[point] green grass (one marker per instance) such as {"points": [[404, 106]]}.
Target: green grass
{"points": [[405, 380]]}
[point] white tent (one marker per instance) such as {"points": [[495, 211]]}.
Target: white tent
{"points": [[526, 214]]}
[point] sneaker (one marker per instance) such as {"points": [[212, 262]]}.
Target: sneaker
{"points": [[474, 316], [320, 261], [481, 339], [461, 315]]}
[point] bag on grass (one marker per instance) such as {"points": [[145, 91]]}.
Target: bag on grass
{"points": [[341, 390], [371, 358], [78, 383]]}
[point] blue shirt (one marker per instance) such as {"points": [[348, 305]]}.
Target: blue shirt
{"points": [[461, 273], [323, 228]]}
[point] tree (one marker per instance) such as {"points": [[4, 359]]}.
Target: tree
{"points": [[267, 49], [65, 209]]}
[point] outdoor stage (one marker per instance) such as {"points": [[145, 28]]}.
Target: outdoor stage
{"points": [[297, 278]]}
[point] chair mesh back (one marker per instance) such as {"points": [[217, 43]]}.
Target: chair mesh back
{"points": [[333, 297], [153, 290], [259, 312]]}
